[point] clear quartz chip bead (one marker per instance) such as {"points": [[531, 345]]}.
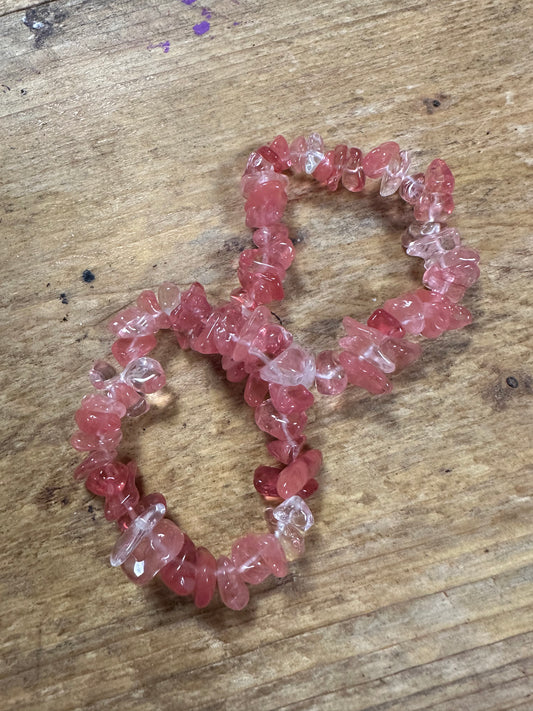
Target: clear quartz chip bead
{"points": [[289, 522], [140, 527]]}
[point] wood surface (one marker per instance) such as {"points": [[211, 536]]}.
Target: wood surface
{"points": [[122, 154]]}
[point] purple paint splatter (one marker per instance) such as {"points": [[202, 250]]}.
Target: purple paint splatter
{"points": [[165, 46], [201, 28], [188, 2], [206, 12]]}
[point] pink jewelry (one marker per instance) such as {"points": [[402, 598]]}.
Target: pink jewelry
{"points": [[150, 543], [278, 372], [369, 352]]}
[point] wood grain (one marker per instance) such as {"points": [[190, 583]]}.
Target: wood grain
{"points": [[416, 590]]}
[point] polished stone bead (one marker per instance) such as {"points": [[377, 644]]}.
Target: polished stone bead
{"points": [[353, 176], [127, 349], [169, 297], [289, 399], [248, 561], [140, 527], [227, 328], [284, 427], [387, 324], [101, 374], [435, 202], [444, 281], [233, 590], [330, 376], [193, 309], [180, 573], [107, 441], [330, 169], [290, 521], [235, 371], [408, 310], [134, 322], [385, 352], [364, 375], [293, 478], [202, 338], [277, 153], [294, 366], [432, 241], [99, 414], [306, 153], [265, 481], [145, 375], [153, 552], [124, 498], [376, 161], [428, 312], [260, 278], [255, 390], [135, 402], [286, 451], [95, 463], [248, 331], [412, 188], [206, 577], [266, 204], [394, 174]]}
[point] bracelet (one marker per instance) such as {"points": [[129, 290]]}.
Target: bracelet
{"points": [[368, 352], [150, 543]]}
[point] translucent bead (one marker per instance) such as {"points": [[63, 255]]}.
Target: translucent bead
{"points": [[353, 176], [99, 414], [228, 326], [290, 522], [435, 201], [266, 204], [194, 308], [395, 173], [306, 153], [408, 310], [153, 552], [284, 427], [124, 498], [127, 349], [364, 375], [206, 577], [144, 375], [169, 297], [429, 247], [412, 188], [294, 366], [107, 441], [255, 390], [140, 527], [101, 373], [250, 327], [135, 403], [134, 322], [248, 561], [286, 451], [265, 481], [330, 376], [366, 343], [290, 399], [293, 478], [180, 574], [277, 153], [95, 463], [233, 591], [386, 323], [376, 161], [235, 371]]}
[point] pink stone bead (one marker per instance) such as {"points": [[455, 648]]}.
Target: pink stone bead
{"points": [[431, 240], [134, 322], [248, 331], [95, 464], [285, 427], [228, 326], [408, 310], [277, 153], [265, 481], [309, 489], [329, 171], [286, 451], [376, 161], [235, 371], [313, 459], [324, 169], [202, 338], [194, 308], [273, 555], [293, 478], [101, 374], [353, 176], [435, 201], [394, 174], [270, 341], [463, 261], [255, 390], [135, 403], [290, 399], [330, 376], [206, 577], [266, 204], [233, 591], [294, 366], [99, 414], [106, 478], [127, 349], [145, 375], [139, 527], [412, 188], [366, 343], [180, 573], [124, 498], [246, 555], [153, 552], [290, 521], [262, 280], [439, 177], [364, 375], [444, 282], [386, 323], [255, 178], [441, 314], [84, 442]]}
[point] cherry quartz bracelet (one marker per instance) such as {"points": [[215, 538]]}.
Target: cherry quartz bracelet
{"points": [[150, 543], [368, 352]]}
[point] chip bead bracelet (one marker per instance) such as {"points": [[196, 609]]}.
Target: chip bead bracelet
{"points": [[151, 544], [369, 352]]}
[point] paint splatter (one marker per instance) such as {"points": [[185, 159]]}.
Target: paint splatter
{"points": [[165, 46], [188, 2], [206, 12], [201, 28]]}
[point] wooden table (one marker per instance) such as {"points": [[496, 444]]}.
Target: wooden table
{"points": [[125, 128]]}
